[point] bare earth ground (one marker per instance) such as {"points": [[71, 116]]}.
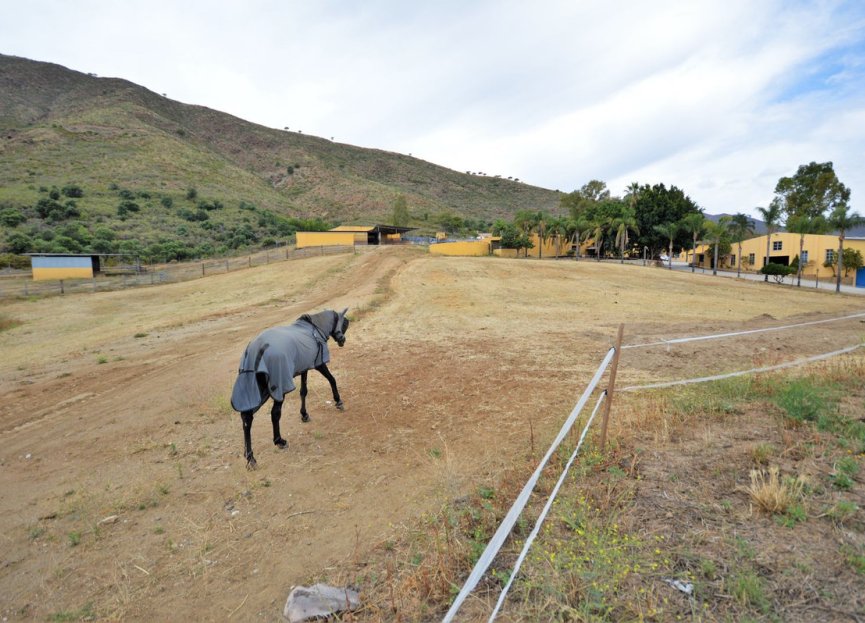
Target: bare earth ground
{"points": [[124, 490]]}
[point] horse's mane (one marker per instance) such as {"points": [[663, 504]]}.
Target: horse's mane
{"points": [[323, 321]]}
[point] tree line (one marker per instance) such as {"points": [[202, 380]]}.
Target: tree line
{"points": [[656, 222]]}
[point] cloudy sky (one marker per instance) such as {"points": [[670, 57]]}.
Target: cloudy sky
{"points": [[717, 97]]}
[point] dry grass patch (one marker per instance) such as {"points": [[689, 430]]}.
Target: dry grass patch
{"points": [[772, 493]]}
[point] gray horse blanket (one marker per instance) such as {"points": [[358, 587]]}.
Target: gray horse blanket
{"points": [[276, 356]]}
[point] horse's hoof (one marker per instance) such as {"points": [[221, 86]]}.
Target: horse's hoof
{"points": [[304, 417], [251, 464], [281, 443], [340, 405]]}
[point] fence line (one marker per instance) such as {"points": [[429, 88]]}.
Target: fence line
{"points": [[519, 504], [173, 273], [720, 377], [546, 509], [716, 336]]}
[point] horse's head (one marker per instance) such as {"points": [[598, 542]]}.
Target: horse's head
{"points": [[340, 326]]}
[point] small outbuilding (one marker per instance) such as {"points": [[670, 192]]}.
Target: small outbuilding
{"points": [[352, 235], [63, 266]]}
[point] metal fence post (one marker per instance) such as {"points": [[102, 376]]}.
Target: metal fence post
{"points": [[611, 387]]}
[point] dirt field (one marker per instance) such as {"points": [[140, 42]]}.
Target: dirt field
{"points": [[124, 491]]}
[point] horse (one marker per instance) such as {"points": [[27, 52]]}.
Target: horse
{"points": [[272, 360]]}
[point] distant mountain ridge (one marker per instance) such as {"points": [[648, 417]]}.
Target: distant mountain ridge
{"points": [[59, 127]]}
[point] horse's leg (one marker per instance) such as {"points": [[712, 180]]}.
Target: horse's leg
{"points": [[304, 416], [247, 416], [326, 374], [275, 414]]}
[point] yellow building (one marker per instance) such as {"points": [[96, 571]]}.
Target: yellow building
{"points": [[63, 266], [783, 249], [351, 235]]}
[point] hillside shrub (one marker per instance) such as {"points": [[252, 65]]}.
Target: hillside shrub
{"points": [[11, 217], [126, 207], [11, 260], [167, 202], [73, 191], [191, 194]]}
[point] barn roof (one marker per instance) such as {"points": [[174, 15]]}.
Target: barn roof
{"points": [[382, 229]]}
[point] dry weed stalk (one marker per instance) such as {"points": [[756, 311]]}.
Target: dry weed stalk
{"points": [[773, 494]]}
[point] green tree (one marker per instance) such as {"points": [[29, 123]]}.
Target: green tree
{"points": [[842, 220], [577, 202], [597, 231], [400, 211], [668, 231], [694, 224], [576, 227], [623, 224], [805, 224], [716, 235], [807, 196], [18, 243], [558, 229], [659, 205], [772, 218], [741, 226]]}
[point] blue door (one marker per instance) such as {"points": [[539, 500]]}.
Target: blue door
{"points": [[860, 278]]}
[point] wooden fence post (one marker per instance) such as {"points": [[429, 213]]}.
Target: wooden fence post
{"points": [[611, 387]]}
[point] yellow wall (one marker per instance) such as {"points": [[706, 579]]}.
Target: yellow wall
{"points": [[62, 273], [816, 246], [472, 248], [329, 238], [549, 247]]}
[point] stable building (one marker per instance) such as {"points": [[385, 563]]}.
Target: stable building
{"points": [[351, 235]]}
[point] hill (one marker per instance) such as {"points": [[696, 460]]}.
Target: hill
{"points": [[140, 169]]}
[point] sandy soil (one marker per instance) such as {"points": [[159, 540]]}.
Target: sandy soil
{"points": [[124, 490]]}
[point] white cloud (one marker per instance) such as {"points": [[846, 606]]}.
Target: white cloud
{"points": [[719, 97]]}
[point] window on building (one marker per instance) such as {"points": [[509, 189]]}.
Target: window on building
{"points": [[777, 245], [732, 260], [830, 256], [804, 258], [752, 258]]}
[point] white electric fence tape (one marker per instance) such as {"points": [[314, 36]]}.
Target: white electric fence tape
{"points": [[545, 511], [519, 504], [717, 336], [719, 377]]}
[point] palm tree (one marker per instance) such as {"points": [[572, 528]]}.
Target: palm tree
{"points": [[772, 217], [597, 230], [540, 227], [576, 227], [694, 224], [804, 224], [841, 220], [669, 231], [716, 233], [558, 228], [623, 224], [741, 226]]}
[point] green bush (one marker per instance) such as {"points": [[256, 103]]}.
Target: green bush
{"points": [[777, 271], [73, 191], [11, 217]]}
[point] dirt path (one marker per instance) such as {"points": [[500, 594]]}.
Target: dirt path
{"points": [[124, 491]]}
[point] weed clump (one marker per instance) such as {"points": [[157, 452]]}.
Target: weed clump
{"points": [[772, 493]]}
